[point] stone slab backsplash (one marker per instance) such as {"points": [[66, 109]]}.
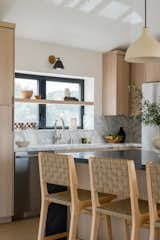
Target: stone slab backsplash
{"points": [[131, 126], [41, 137], [103, 126]]}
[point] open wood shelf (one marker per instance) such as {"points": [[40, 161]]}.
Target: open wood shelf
{"points": [[44, 101]]}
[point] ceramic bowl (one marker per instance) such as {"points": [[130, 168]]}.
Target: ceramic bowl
{"points": [[37, 97], [108, 139], [22, 143], [26, 94]]}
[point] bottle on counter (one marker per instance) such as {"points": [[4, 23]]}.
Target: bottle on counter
{"points": [[67, 92], [122, 133], [73, 123]]}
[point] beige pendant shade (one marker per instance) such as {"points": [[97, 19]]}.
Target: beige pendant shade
{"points": [[145, 49]]}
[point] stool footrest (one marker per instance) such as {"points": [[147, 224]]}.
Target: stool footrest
{"points": [[56, 236]]}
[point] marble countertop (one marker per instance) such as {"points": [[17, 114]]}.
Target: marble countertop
{"points": [[76, 147]]}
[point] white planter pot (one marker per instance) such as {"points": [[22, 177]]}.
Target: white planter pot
{"points": [[149, 134]]}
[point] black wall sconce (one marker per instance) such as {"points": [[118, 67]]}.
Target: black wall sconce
{"points": [[56, 62]]}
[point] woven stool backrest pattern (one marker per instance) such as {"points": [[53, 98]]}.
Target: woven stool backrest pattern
{"points": [[111, 176], [155, 181], [55, 168]]}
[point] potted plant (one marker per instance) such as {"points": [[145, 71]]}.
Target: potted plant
{"points": [[147, 112]]}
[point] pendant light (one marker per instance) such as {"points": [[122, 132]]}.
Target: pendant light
{"points": [[146, 48]]}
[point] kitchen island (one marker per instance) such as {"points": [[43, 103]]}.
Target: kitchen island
{"points": [[140, 158], [81, 158]]}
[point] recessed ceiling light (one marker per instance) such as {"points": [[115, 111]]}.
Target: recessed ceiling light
{"points": [[114, 10], [133, 18], [89, 5], [72, 3]]}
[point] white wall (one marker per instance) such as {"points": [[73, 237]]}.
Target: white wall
{"points": [[33, 56]]}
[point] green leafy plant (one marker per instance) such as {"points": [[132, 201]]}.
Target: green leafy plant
{"points": [[148, 112]]}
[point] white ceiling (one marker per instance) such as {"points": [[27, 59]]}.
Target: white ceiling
{"points": [[98, 25]]}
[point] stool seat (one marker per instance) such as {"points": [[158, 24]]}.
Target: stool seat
{"points": [[122, 208], [84, 196]]}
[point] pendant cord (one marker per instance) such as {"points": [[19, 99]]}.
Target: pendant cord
{"points": [[145, 13]]}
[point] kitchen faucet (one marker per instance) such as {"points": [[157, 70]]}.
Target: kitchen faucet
{"points": [[58, 137], [63, 124]]}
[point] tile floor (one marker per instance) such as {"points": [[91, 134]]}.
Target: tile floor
{"points": [[20, 230]]}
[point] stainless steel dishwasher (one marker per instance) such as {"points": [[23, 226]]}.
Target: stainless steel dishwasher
{"points": [[26, 185]]}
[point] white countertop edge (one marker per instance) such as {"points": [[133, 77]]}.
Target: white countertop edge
{"points": [[63, 147]]}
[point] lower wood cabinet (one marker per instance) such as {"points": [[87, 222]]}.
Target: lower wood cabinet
{"points": [[6, 163]]}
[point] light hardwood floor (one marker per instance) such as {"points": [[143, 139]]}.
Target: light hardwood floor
{"points": [[26, 230]]}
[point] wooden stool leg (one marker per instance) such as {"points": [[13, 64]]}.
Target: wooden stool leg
{"points": [[95, 226], [126, 230], [135, 231], [157, 233], [73, 225], [108, 227], [153, 232], [43, 219]]}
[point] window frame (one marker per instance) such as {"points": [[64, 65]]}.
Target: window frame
{"points": [[42, 79]]}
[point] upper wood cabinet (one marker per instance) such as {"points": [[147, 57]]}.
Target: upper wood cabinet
{"points": [[147, 72], [152, 71], [6, 63], [140, 73], [116, 76]]}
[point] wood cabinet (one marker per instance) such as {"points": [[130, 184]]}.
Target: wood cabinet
{"points": [[140, 73], [152, 71], [116, 77], [6, 163], [6, 119], [6, 63], [147, 72]]}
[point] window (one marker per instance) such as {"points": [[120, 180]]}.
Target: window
{"points": [[49, 88]]}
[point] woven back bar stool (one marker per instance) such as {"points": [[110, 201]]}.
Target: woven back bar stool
{"points": [[60, 170], [117, 176], [153, 189]]}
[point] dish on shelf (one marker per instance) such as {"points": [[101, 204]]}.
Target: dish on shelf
{"points": [[26, 94], [22, 143], [37, 97]]}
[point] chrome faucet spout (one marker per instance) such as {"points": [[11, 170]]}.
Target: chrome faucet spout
{"points": [[55, 124], [63, 124], [57, 136]]}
